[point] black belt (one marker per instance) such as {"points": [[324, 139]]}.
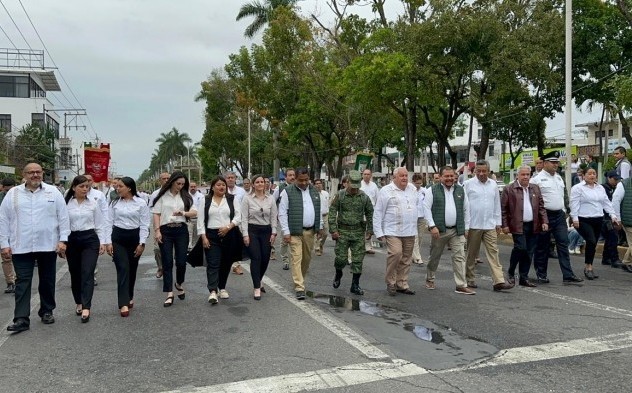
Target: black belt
{"points": [[450, 227], [555, 211], [355, 226], [174, 224], [308, 228]]}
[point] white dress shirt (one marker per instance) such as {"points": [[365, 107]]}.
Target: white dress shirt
{"points": [[128, 214], [395, 212], [238, 192], [197, 195], [590, 201], [85, 216], [625, 169], [450, 208], [99, 197], [309, 215], [527, 209], [324, 202], [421, 195], [167, 204], [218, 215], [152, 197], [370, 189], [33, 221], [485, 203], [552, 189]]}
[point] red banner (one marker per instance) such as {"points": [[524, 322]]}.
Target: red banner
{"points": [[97, 161]]}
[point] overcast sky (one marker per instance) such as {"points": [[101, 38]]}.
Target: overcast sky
{"points": [[136, 65]]}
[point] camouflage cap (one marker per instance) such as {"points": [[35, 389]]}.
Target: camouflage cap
{"points": [[354, 179]]}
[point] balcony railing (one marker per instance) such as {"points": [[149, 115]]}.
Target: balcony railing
{"points": [[21, 58]]}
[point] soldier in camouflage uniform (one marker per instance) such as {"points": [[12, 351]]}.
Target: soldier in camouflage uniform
{"points": [[349, 227]]}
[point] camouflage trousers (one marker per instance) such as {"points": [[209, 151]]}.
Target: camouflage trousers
{"points": [[352, 240]]}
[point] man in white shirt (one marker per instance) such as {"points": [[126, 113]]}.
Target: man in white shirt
{"points": [[485, 225], [192, 223], [34, 226], [395, 221], [299, 215], [319, 242], [446, 209], [238, 192], [369, 188], [164, 178], [622, 166], [552, 189]]}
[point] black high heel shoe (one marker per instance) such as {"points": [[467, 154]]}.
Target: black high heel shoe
{"points": [[85, 318], [168, 302], [181, 294], [78, 310]]}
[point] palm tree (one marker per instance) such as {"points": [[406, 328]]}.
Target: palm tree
{"points": [[263, 12], [171, 145]]}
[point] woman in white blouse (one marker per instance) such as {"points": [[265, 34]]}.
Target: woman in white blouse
{"points": [[258, 227], [221, 238], [85, 243], [171, 208], [588, 203], [126, 230]]}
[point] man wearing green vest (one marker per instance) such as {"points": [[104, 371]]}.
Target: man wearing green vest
{"points": [[622, 203], [300, 218], [290, 177], [446, 209]]}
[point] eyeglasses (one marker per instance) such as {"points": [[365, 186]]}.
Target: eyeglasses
{"points": [[31, 173]]}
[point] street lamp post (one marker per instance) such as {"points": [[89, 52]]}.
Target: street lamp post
{"points": [[568, 75], [249, 162]]}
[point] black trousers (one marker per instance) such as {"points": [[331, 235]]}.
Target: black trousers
{"points": [[24, 264], [590, 229], [82, 253], [611, 240], [522, 252], [259, 250], [219, 260], [173, 238], [124, 242]]}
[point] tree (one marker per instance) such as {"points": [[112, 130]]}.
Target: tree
{"points": [[262, 12], [171, 145], [34, 143]]}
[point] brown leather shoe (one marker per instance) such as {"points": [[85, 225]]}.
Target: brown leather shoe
{"points": [[465, 291], [472, 284], [527, 283], [430, 285], [502, 286]]}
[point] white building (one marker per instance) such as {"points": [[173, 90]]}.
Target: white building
{"points": [[24, 83]]}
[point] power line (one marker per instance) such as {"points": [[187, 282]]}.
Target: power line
{"points": [[54, 64], [16, 25]]}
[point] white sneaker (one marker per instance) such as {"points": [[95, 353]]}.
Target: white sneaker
{"points": [[571, 251], [212, 298], [578, 251], [223, 294]]}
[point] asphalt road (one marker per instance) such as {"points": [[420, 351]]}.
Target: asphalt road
{"points": [[554, 338]]}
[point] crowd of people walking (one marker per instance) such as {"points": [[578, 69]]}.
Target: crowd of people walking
{"points": [[219, 229]]}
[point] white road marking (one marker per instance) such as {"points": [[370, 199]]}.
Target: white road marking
{"points": [[330, 378], [35, 300], [564, 349], [570, 299], [335, 325]]}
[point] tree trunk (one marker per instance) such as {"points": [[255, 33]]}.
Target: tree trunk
{"points": [[625, 126], [411, 137], [484, 144]]}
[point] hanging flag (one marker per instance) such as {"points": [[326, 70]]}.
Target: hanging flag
{"points": [[97, 161]]}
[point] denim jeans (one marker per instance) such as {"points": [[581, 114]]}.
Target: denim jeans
{"points": [[574, 239], [559, 231]]}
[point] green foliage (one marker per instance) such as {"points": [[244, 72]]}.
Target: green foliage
{"points": [[34, 143]]}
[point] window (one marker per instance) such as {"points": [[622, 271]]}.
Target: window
{"points": [[14, 86], [53, 125], [460, 132], [36, 90], [37, 119], [610, 132], [5, 123], [491, 150], [480, 133]]}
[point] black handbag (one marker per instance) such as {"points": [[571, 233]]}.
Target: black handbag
{"points": [[195, 257]]}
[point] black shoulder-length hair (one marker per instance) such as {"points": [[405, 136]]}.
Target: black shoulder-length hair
{"points": [[75, 182], [184, 192]]}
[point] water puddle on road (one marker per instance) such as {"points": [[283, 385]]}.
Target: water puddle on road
{"points": [[391, 315], [407, 335]]}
